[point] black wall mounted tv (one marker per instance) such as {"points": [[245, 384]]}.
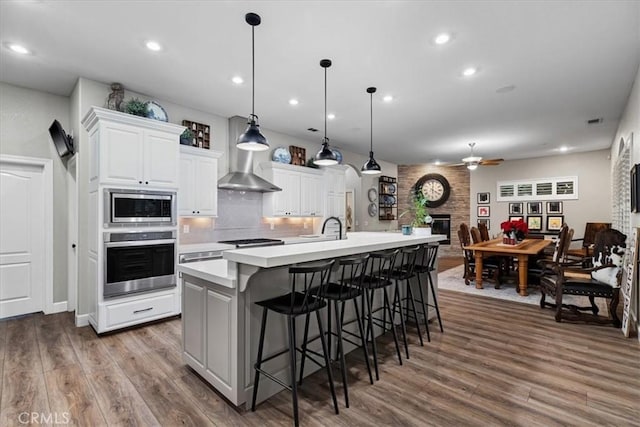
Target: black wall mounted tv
{"points": [[62, 141]]}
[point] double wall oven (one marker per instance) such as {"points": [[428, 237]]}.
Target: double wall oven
{"points": [[140, 247]]}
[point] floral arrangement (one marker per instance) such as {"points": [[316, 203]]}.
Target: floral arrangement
{"points": [[519, 228]]}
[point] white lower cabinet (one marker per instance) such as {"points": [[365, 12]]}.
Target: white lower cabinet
{"points": [[209, 330], [198, 189]]}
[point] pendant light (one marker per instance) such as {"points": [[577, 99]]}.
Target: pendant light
{"points": [[371, 167], [325, 157], [252, 139]]}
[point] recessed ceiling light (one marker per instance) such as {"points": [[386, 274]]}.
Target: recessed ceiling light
{"points": [[442, 38], [331, 116], [468, 72], [564, 149], [388, 98], [293, 101], [17, 48], [154, 46], [437, 163], [237, 80]]}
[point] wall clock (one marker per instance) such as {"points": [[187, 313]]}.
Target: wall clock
{"points": [[435, 189]]}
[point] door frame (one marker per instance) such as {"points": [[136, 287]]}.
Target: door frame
{"points": [[47, 173], [72, 233]]}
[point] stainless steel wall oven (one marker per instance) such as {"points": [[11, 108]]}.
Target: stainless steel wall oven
{"points": [[138, 261], [139, 207]]}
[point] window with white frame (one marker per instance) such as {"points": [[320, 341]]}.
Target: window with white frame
{"points": [[621, 189]]}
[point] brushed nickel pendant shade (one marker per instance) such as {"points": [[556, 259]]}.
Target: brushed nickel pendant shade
{"points": [[252, 139], [371, 167], [325, 157]]}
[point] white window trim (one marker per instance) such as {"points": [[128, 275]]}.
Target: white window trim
{"points": [[533, 182]]}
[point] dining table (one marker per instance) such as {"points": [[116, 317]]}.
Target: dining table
{"points": [[521, 251]]}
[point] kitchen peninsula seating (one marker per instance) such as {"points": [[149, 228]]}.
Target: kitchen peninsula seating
{"points": [[377, 277], [601, 281], [404, 271], [338, 292], [426, 264], [299, 301]]}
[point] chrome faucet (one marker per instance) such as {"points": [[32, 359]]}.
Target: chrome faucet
{"points": [[339, 224]]}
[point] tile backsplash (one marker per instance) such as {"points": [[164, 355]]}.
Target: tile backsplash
{"points": [[240, 217]]}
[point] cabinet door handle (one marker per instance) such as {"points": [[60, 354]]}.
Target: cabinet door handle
{"points": [[139, 182], [193, 211], [146, 182], [198, 212], [143, 310]]}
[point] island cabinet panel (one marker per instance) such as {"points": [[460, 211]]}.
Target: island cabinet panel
{"points": [[219, 313], [193, 318], [209, 334]]}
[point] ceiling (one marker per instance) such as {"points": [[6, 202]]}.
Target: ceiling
{"points": [[569, 62]]}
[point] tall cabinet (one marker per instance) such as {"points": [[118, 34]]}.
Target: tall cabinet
{"points": [[130, 153]]}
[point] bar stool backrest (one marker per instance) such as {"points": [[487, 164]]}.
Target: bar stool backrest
{"points": [[428, 256], [408, 258], [380, 265], [351, 272], [304, 278]]}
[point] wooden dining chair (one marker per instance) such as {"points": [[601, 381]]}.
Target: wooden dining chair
{"points": [[490, 269], [484, 232], [588, 240], [476, 237]]}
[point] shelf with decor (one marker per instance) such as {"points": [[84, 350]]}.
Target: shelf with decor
{"points": [[387, 198]]}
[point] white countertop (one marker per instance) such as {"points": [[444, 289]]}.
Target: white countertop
{"points": [[215, 271], [355, 243]]}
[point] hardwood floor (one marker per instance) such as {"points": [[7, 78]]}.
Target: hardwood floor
{"points": [[497, 363]]}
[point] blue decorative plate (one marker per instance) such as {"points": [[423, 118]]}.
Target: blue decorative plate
{"points": [[391, 188], [281, 155], [338, 155], [156, 112]]}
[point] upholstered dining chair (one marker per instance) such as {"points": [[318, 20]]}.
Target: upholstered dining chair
{"points": [[489, 268], [600, 281], [588, 240]]}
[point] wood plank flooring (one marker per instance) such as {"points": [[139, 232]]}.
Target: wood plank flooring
{"points": [[497, 363]]}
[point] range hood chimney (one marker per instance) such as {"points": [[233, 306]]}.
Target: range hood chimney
{"points": [[241, 176]]}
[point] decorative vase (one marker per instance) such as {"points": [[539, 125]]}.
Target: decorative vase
{"points": [[422, 231]]}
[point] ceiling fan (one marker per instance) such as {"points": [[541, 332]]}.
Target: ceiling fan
{"points": [[472, 161]]}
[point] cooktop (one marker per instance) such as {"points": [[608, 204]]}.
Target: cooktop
{"points": [[245, 243]]}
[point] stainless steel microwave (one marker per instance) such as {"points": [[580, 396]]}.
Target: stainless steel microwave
{"points": [[139, 207]]}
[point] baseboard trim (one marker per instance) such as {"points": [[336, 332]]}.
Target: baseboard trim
{"points": [[58, 307], [82, 320]]}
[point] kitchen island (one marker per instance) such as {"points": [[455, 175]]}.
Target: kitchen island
{"points": [[221, 323]]}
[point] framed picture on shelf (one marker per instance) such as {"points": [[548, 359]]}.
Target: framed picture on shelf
{"points": [[516, 218], [554, 208], [534, 222], [554, 222], [483, 211], [515, 209], [484, 221], [483, 198], [534, 208]]}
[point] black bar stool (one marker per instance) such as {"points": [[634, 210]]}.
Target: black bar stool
{"points": [[405, 271], [377, 276], [427, 264], [337, 293], [300, 301]]}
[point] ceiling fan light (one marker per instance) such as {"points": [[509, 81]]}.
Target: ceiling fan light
{"points": [[472, 166], [371, 167], [252, 139], [326, 156]]}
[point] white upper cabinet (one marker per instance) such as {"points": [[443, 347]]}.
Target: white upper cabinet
{"points": [[302, 192], [198, 191], [132, 151]]}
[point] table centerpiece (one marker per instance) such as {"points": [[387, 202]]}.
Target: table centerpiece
{"points": [[514, 231]]}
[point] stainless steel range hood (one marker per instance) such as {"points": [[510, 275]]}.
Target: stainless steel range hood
{"points": [[241, 176]]}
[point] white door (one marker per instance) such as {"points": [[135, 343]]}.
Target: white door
{"points": [[72, 237], [22, 239]]}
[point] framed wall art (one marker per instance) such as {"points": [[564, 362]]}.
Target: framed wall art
{"points": [[483, 211], [554, 222], [554, 208], [534, 222], [534, 208], [515, 209], [484, 198], [484, 221], [516, 218]]}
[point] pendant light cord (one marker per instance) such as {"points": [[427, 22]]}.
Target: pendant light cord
{"points": [[371, 145], [253, 71], [325, 105]]}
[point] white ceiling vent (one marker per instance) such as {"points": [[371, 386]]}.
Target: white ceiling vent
{"points": [[594, 121]]}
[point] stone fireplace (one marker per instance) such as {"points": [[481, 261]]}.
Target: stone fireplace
{"points": [[442, 225]]}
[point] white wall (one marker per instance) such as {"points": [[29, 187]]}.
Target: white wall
{"points": [[629, 128], [25, 117], [594, 187]]}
